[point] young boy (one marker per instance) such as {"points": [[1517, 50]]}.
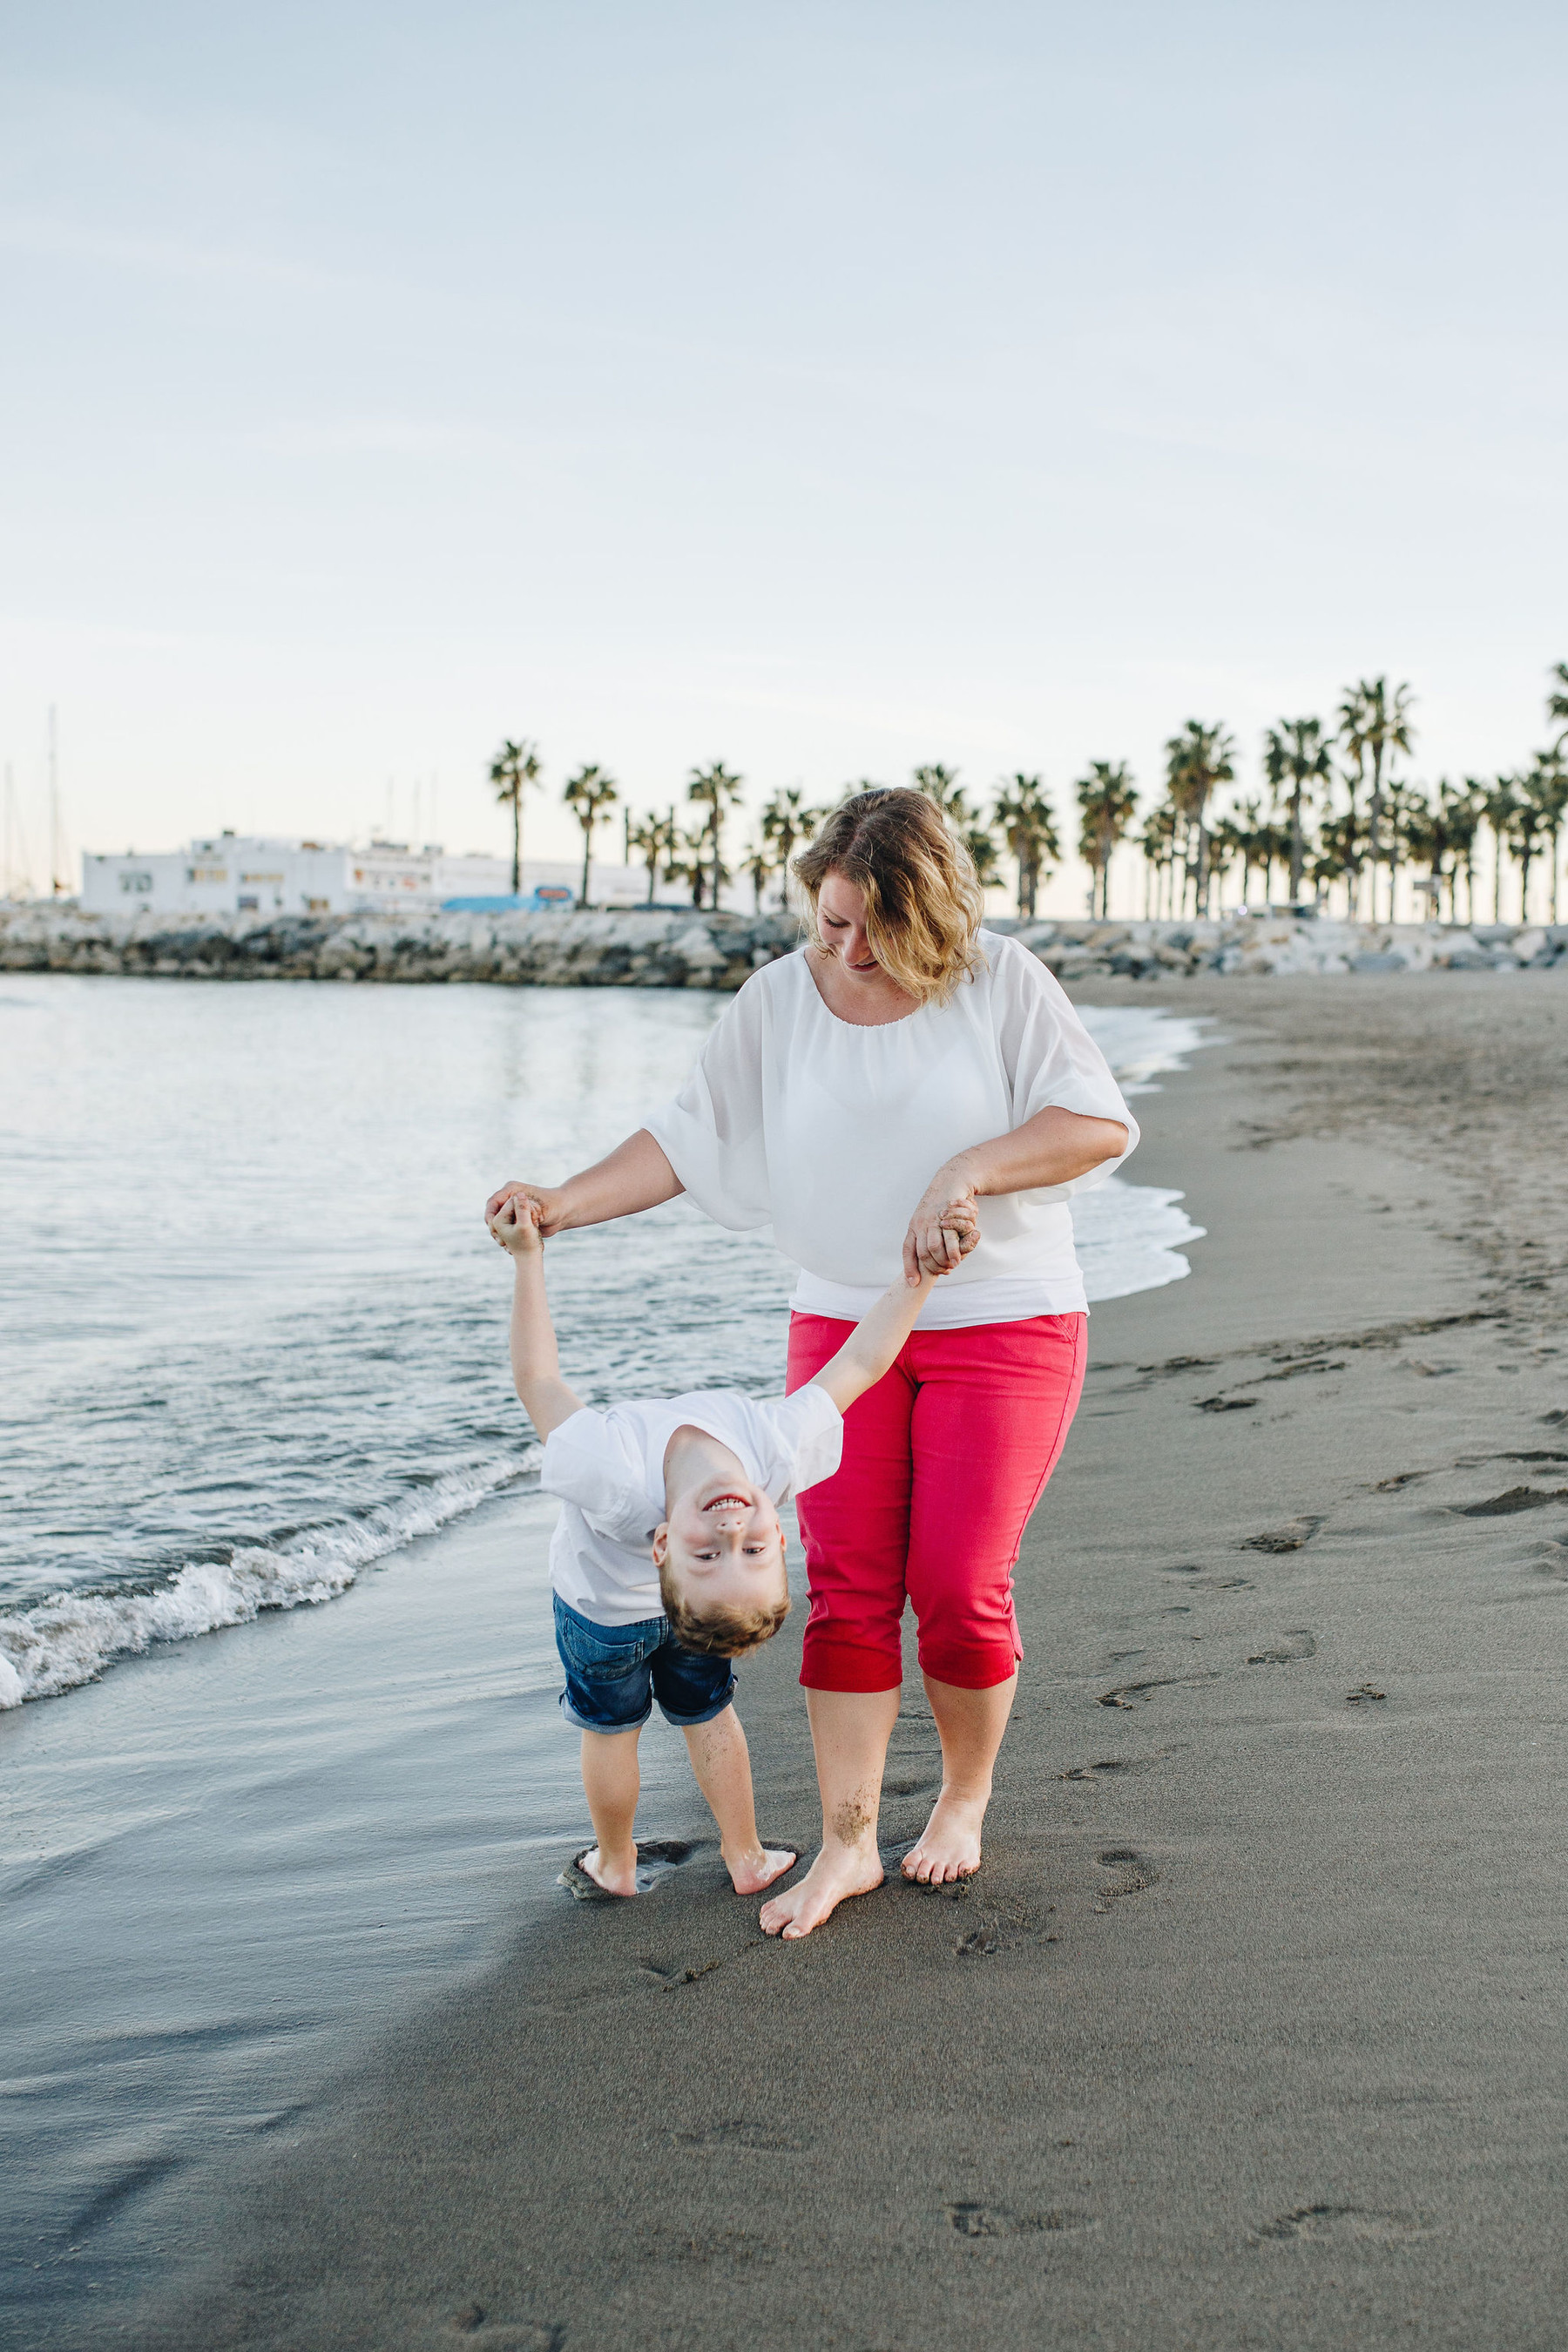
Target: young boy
{"points": [[668, 1561]]}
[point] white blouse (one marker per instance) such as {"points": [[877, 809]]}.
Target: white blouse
{"points": [[831, 1133]]}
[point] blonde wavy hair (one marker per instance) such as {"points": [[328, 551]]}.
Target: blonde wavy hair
{"points": [[923, 900]]}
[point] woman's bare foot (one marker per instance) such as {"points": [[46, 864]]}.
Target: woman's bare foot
{"points": [[949, 1846], [838, 1871], [617, 1879], [749, 1873]]}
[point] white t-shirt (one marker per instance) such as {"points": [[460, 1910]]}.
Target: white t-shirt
{"points": [[831, 1133], [608, 1470]]}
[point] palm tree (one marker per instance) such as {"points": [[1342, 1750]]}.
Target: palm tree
{"points": [[786, 821], [1352, 736], [758, 864], [588, 792], [1341, 857], [1196, 763], [1459, 811], [942, 786], [1372, 720], [1253, 843], [1498, 805], [1108, 803], [514, 767], [1529, 823], [1547, 785], [1404, 806], [981, 843], [716, 789], [1158, 843], [1023, 816], [1557, 696], [1296, 756], [654, 838], [1424, 836], [686, 861]]}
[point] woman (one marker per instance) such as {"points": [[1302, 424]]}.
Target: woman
{"points": [[900, 1036]]}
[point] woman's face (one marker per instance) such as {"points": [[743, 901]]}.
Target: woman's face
{"points": [[841, 919]]}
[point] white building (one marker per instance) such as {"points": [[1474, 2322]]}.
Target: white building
{"points": [[248, 874], [252, 874]]}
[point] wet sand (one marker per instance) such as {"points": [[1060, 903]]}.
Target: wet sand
{"points": [[1251, 2030]]}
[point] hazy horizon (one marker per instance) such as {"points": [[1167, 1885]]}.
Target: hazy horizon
{"points": [[824, 394]]}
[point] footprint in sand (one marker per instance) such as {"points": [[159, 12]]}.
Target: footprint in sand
{"points": [[759, 2140], [998, 2221], [1343, 2225], [1131, 1695], [1297, 1644], [475, 2325], [1130, 1874], [656, 1857], [1512, 1498], [670, 1975], [1295, 1537]]}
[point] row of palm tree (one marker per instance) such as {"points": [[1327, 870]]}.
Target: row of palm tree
{"points": [[1339, 815]]}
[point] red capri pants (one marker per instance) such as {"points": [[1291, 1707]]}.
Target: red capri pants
{"points": [[943, 1461]]}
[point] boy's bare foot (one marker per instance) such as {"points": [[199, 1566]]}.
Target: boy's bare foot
{"points": [[949, 1845], [749, 1873], [838, 1871], [618, 1879]]}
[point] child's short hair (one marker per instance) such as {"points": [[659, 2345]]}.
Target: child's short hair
{"points": [[722, 1633]]}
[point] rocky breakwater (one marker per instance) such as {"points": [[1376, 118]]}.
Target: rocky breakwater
{"points": [[1286, 945], [637, 949], [622, 950]]}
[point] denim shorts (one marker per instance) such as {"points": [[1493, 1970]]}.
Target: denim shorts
{"points": [[613, 1673]]}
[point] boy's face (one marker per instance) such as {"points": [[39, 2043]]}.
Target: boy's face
{"points": [[724, 1541]]}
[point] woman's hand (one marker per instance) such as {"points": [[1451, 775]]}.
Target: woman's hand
{"points": [[544, 1199], [636, 1175], [945, 1227]]}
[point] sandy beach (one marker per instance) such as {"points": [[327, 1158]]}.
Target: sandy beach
{"points": [[1251, 2031]]}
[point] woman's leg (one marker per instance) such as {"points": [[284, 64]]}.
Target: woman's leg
{"points": [[850, 1731], [856, 1529], [992, 1413], [969, 1725]]}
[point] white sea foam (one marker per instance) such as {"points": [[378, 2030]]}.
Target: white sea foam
{"points": [[1130, 1237], [69, 1639]]}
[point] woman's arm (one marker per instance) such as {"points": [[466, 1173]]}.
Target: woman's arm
{"points": [[636, 1175], [1052, 1148]]}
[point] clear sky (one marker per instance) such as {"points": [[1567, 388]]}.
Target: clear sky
{"points": [[823, 388]]}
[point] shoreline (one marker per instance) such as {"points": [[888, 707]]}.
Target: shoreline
{"points": [[1250, 2028]]}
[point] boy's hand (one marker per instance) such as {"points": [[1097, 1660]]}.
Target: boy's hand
{"points": [[945, 1227], [515, 1226]]}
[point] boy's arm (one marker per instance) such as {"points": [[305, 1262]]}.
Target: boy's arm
{"points": [[874, 1342], [535, 1358]]}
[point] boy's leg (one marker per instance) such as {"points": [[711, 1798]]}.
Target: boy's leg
{"points": [[723, 1769], [611, 1780]]}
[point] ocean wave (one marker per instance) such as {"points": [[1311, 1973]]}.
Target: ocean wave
{"points": [[61, 1642]]}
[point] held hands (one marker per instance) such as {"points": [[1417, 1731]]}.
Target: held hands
{"points": [[944, 1228], [545, 1200], [516, 1225]]}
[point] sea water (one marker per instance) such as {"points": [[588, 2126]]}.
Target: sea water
{"points": [[252, 1335], [254, 1357]]}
